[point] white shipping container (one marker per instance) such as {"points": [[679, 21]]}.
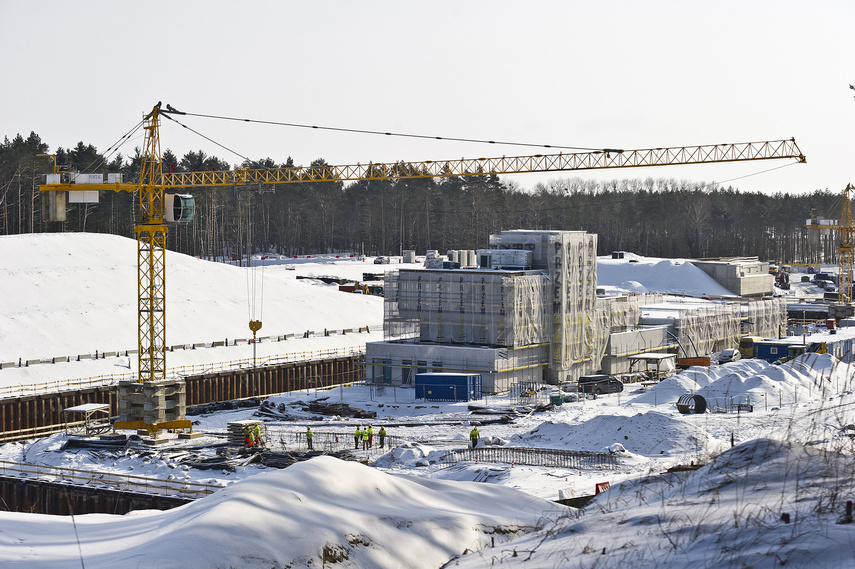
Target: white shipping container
{"points": [[88, 196], [89, 179]]}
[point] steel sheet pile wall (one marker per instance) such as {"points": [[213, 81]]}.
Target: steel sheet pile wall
{"points": [[495, 308], [229, 385], [27, 415], [59, 499], [37, 415]]}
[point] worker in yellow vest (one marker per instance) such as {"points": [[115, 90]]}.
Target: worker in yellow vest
{"points": [[365, 438], [357, 436], [309, 436], [474, 435], [382, 434]]}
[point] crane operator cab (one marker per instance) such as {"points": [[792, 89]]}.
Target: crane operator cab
{"points": [[179, 208]]}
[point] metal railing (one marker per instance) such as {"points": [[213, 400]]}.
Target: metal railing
{"points": [[195, 369], [280, 439], [283, 439], [571, 459], [108, 480], [35, 432]]}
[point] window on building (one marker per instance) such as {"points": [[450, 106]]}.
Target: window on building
{"points": [[422, 367], [437, 366], [387, 371]]}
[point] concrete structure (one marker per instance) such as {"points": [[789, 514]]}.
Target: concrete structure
{"points": [[745, 277], [530, 314]]}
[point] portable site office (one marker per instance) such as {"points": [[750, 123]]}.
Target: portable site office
{"points": [[438, 386]]}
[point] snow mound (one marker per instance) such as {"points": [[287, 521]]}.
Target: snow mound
{"points": [[206, 301], [632, 286], [648, 434], [728, 514], [315, 513], [669, 276]]}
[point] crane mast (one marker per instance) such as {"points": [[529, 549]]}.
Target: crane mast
{"points": [[845, 244], [151, 235], [152, 230], [845, 250]]}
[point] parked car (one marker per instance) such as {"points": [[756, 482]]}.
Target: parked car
{"points": [[729, 355], [599, 384], [820, 278], [381, 261]]}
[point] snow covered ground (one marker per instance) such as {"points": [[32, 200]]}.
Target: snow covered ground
{"points": [[791, 455]]}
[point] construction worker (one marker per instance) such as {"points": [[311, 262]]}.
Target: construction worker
{"points": [[370, 436], [365, 438], [382, 434], [357, 436], [256, 435], [247, 435], [309, 437], [474, 435]]}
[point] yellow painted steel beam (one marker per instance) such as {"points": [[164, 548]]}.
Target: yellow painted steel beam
{"points": [[765, 150], [151, 313], [151, 258], [709, 154]]}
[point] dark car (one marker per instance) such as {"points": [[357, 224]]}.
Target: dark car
{"points": [[599, 384]]}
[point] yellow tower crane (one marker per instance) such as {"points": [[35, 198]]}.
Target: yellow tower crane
{"points": [[157, 207], [845, 246]]}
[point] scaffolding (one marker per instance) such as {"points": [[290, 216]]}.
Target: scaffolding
{"points": [[579, 330], [720, 326], [466, 307]]}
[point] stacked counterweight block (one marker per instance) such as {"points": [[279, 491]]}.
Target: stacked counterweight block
{"points": [[152, 402]]}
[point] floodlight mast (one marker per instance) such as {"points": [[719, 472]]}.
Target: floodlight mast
{"points": [[152, 230]]}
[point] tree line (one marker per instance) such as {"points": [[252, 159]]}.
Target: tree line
{"points": [[661, 217]]}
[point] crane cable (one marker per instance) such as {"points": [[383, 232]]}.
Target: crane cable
{"points": [[383, 133], [114, 147], [254, 298], [171, 111], [209, 139]]}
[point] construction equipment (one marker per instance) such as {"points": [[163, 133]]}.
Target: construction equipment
{"points": [[846, 242], [157, 207]]}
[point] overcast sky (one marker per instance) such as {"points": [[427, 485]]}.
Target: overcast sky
{"points": [[617, 74]]}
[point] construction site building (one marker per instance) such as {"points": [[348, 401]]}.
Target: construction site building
{"points": [[529, 312], [744, 276]]}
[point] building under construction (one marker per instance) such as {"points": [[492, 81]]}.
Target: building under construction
{"points": [[529, 312]]}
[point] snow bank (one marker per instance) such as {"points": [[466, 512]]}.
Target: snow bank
{"points": [[650, 434], [635, 273], [726, 514], [311, 514], [206, 301]]}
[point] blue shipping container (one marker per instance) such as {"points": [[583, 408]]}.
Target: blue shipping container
{"points": [[771, 350], [448, 386]]}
